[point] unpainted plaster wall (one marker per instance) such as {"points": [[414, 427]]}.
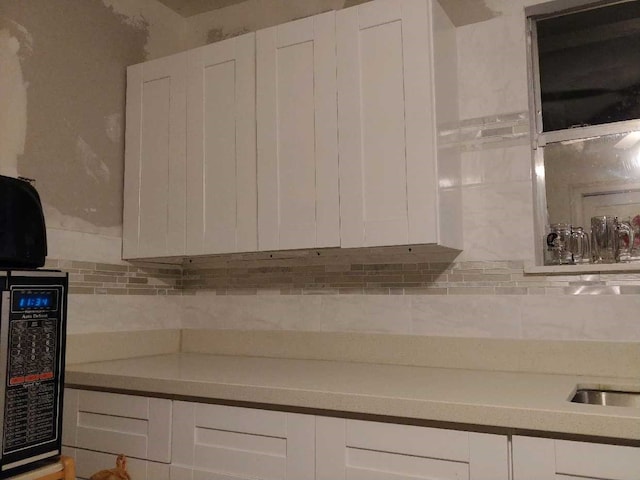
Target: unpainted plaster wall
{"points": [[62, 99], [253, 15]]}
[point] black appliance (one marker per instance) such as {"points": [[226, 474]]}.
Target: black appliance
{"points": [[23, 238], [33, 316], [32, 333]]}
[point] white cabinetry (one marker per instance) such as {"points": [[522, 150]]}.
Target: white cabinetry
{"points": [[98, 426], [194, 441], [222, 442], [549, 459], [396, 86], [221, 153], [360, 450], [155, 156], [298, 200], [322, 132]]}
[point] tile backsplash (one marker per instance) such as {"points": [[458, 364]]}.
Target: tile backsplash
{"points": [[118, 279], [354, 274]]}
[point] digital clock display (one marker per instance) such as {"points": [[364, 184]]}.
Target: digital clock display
{"points": [[24, 300]]}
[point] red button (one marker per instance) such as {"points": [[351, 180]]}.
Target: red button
{"points": [[46, 376], [16, 380], [32, 378]]}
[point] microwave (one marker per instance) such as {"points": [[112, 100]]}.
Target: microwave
{"points": [[33, 315]]}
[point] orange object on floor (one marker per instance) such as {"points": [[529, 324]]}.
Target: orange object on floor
{"points": [[118, 473], [63, 469]]}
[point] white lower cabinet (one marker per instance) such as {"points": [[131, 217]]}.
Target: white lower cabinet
{"points": [[175, 440], [214, 442], [217, 442], [362, 450], [549, 459], [97, 426]]}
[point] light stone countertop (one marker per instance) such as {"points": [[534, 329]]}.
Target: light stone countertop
{"points": [[514, 401]]}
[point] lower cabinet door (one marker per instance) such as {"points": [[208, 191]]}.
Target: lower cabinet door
{"points": [[89, 462], [138, 427], [217, 442], [549, 459], [359, 450]]}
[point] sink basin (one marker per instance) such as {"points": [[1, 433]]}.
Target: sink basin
{"points": [[607, 397]]}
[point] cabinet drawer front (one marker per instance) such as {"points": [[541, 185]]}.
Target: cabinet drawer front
{"points": [[359, 450], [90, 462], [211, 441], [139, 427], [548, 459], [610, 462]]}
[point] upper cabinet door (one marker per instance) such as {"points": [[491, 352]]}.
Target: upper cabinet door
{"points": [[297, 135], [221, 153], [155, 155], [388, 176]]}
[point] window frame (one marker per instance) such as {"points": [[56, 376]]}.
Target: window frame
{"points": [[539, 138]]}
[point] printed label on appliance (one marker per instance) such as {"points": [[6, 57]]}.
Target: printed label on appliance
{"points": [[30, 397]]}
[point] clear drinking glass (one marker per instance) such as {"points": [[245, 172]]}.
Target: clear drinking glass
{"points": [[626, 240], [566, 245], [611, 239]]}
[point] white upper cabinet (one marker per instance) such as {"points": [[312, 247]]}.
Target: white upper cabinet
{"points": [[392, 189], [221, 148], [322, 132], [155, 155], [297, 136]]}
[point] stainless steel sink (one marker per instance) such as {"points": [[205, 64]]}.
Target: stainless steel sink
{"points": [[607, 397]]}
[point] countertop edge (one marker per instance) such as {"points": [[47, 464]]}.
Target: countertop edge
{"points": [[589, 423]]}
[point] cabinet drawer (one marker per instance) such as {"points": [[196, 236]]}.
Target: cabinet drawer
{"points": [[216, 441], [138, 427], [358, 450], [549, 459]]}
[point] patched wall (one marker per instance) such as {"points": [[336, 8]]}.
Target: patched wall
{"points": [[62, 98], [62, 109]]}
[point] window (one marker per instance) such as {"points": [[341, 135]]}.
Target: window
{"points": [[585, 112], [589, 66]]}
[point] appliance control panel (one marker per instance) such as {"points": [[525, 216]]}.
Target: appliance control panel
{"points": [[30, 400]]}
